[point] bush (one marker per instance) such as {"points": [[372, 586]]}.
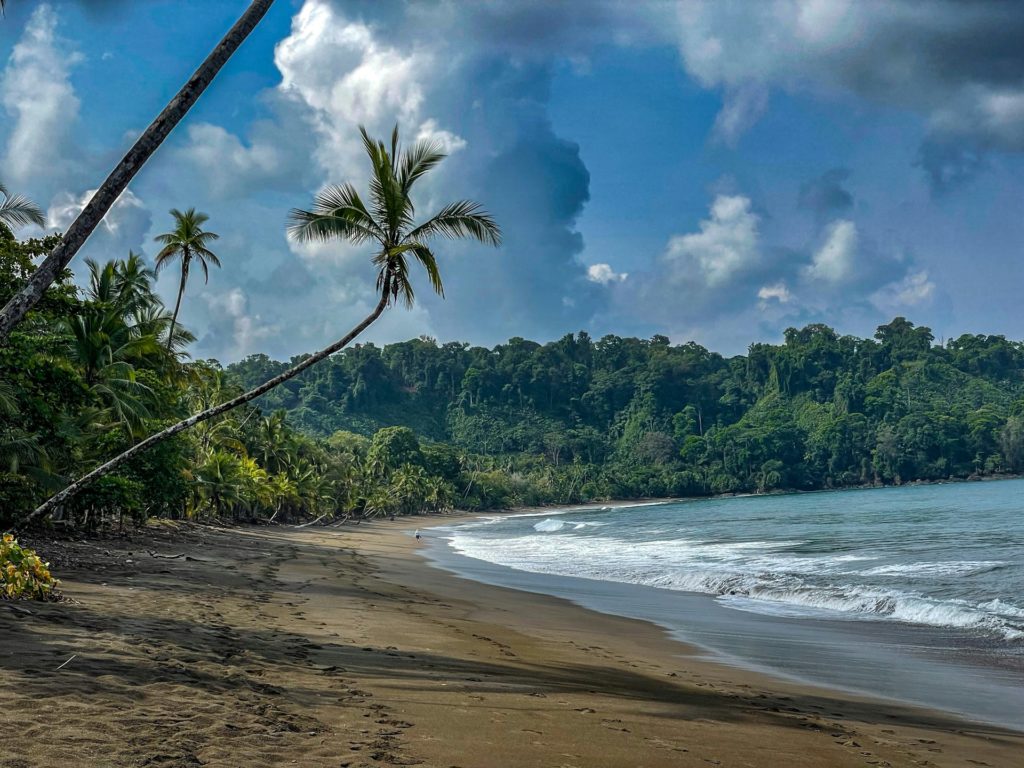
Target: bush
{"points": [[23, 574]]}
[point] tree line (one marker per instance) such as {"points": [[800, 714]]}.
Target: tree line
{"points": [[581, 419], [113, 337]]}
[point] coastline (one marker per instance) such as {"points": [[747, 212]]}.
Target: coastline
{"points": [[345, 647], [896, 662]]}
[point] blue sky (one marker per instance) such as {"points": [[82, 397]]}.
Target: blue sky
{"points": [[709, 171]]}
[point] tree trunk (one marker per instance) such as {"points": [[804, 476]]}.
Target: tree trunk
{"points": [[56, 500], [177, 305], [130, 164]]}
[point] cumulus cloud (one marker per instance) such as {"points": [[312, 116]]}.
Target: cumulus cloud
{"points": [[604, 274], [728, 282], [777, 291], [920, 56], [228, 165], [833, 262], [343, 75], [36, 91], [726, 243], [447, 140], [230, 314], [913, 290]]}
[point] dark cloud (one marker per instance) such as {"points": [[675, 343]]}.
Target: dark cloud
{"points": [[826, 196], [949, 164], [958, 64], [536, 186]]}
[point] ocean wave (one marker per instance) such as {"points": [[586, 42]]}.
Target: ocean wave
{"points": [[946, 568], [759, 572], [549, 525]]}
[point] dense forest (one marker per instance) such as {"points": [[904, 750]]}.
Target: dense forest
{"points": [[579, 419], [420, 426]]}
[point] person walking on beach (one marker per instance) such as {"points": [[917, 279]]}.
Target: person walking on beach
{"points": [[417, 534]]}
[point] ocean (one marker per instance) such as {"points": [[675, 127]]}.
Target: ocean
{"points": [[913, 593]]}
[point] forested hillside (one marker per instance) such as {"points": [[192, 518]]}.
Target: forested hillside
{"points": [[419, 426], [581, 419]]}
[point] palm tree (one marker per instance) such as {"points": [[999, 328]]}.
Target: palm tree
{"points": [[130, 164], [339, 213], [18, 210], [187, 241]]}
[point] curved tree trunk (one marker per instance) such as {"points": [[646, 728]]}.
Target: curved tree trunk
{"points": [[56, 500], [130, 164], [177, 305]]}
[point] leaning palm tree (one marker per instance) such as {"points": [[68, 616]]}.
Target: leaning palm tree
{"points": [[116, 183], [186, 242], [18, 210], [339, 213]]}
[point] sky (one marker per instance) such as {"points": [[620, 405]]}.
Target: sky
{"points": [[714, 172]]}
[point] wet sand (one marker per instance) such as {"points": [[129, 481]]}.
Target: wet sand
{"points": [[342, 647]]}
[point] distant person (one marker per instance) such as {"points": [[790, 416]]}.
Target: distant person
{"points": [[417, 534]]}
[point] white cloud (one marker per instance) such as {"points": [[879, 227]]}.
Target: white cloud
{"points": [[346, 76], [726, 244], [777, 291], [741, 108], [604, 274], [913, 290], [448, 141], [36, 90], [833, 262], [123, 229], [227, 163], [248, 332]]}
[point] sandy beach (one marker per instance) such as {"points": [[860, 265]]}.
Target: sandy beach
{"points": [[344, 648]]}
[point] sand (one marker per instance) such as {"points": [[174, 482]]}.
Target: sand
{"points": [[313, 647]]}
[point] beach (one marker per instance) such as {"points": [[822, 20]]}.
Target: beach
{"points": [[344, 647]]}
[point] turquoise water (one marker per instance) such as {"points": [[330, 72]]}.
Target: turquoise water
{"points": [[947, 556], [915, 593]]}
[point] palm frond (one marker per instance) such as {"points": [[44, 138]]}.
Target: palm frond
{"points": [[459, 219], [418, 160], [309, 226], [428, 261], [19, 211]]}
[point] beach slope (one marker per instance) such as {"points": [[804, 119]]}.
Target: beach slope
{"points": [[344, 648]]}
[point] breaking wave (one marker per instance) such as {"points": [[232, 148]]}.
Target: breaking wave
{"points": [[773, 576]]}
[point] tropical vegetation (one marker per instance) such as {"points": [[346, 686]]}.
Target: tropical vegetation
{"points": [[418, 426], [340, 213]]}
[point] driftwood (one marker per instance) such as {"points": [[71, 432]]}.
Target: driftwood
{"points": [[314, 522], [166, 557]]}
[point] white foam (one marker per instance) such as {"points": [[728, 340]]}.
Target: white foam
{"points": [[751, 572], [549, 525], [947, 568]]}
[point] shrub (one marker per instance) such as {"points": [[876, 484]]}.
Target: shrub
{"points": [[23, 574]]}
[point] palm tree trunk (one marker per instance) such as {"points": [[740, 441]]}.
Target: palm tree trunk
{"points": [[56, 500], [130, 164], [177, 305]]}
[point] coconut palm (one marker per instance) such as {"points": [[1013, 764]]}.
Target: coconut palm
{"points": [[339, 213], [186, 243], [18, 211], [116, 183]]}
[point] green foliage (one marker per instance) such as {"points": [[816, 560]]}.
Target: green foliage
{"points": [[419, 426], [648, 418], [23, 574]]}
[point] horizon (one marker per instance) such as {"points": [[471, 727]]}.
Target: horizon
{"points": [[804, 187]]}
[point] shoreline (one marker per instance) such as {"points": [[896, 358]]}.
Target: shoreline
{"points": [[741, 495], [345, 647], [889, 662]]}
